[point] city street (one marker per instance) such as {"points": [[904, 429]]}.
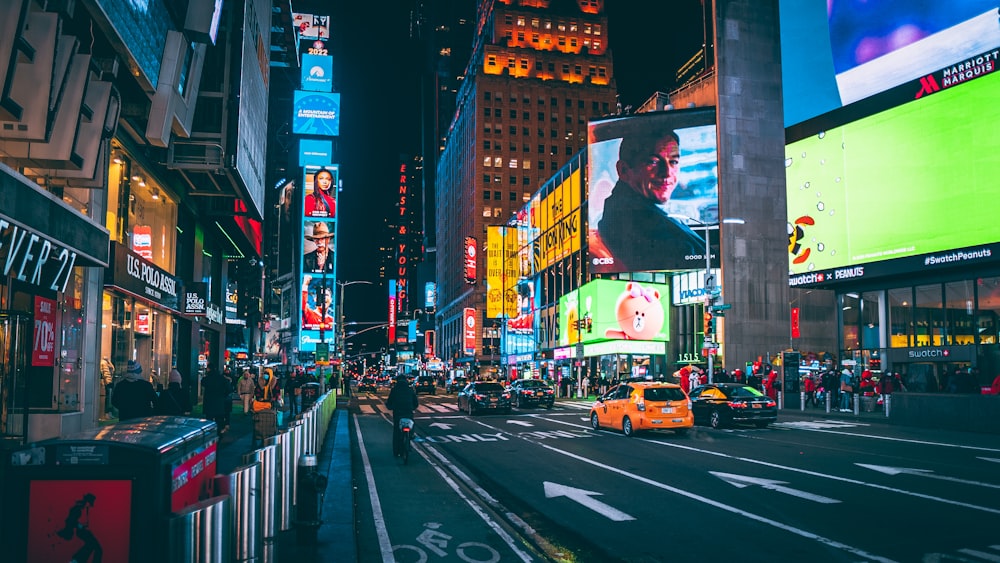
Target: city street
{"points": [[540, 484]]}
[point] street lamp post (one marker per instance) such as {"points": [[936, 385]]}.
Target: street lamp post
{"points": [[709, 278], [340, 327]]}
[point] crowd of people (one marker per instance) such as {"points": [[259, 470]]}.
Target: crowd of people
{"points": [[134, 395]]}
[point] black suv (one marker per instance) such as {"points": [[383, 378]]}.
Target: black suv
{"points": [[424, 384]]}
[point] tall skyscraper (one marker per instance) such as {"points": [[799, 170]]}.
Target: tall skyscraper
{"points": [[539, 70]]}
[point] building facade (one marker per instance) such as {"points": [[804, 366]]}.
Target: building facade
{"points": [[123, 216], [539, 70]]}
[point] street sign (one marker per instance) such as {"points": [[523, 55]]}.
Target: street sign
{"points": [[722, 307], [322, 352]]}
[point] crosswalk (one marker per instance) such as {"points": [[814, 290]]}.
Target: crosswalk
{"points": [[429, 408]]}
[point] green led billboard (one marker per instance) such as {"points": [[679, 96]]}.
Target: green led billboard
{"points": [[915, 180], [614, 310]]}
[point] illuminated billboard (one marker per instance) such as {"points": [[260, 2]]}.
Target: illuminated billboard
{"points": [[471, 252], [321, 191], [316, 113], [607, 309], [502, 273], [556, 219], [907, 189], [649, 176], [469, 331], [521, 327], [317, 73], [255, 66], [836, 53]]}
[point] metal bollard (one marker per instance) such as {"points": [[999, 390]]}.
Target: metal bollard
{"points": [[309, 500], [829, 398], [802, 400], [886, 401], [781, 400], [857, 404]]}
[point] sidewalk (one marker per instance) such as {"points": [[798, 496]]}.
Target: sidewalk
{"points": [[335, 540]]}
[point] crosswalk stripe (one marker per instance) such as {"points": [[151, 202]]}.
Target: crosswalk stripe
{"points": [[366, 409], [980, 554]]}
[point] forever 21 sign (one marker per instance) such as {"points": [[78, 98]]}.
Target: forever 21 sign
{"points": [[34, 259]]}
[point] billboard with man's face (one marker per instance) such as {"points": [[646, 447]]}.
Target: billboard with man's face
{"points": [[653, 185]]}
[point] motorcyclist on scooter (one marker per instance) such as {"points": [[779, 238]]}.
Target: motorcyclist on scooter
{"points": [[402, 401]]}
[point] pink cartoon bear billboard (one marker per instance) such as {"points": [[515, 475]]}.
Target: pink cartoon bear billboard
{"points": [[614, 310]]}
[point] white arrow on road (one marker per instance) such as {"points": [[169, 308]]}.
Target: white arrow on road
{"points": [[519, 423], [924, 473], [441, 425], [776, 486], [584, 497]]}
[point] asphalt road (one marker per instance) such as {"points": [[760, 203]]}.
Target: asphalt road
{"points": [[541, 485]]}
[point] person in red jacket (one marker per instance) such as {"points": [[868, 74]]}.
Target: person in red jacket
{"points": [[995, 388], [809, 386]]}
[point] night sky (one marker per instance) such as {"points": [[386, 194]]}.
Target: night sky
{"points": [[376, 71]]}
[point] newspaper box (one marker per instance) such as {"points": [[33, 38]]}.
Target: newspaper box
{"points": [[113, 489]]}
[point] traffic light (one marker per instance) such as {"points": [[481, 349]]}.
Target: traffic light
{"points": [[709, 323]]}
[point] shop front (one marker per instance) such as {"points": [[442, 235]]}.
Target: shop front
{"points": [[49, 258], [142, 304]]}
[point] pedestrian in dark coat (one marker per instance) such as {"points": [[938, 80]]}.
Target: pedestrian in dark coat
{"points": [[134, 395], [216, 401], [174, 400]]}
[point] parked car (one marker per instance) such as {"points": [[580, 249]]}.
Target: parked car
{"points": [[721, 404], [368, 384], [456, 383], [425, 384], [643, 405], [483, 395], [527, 392]]}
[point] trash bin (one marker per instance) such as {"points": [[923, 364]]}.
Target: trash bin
{"points": [[123, 481], [868, 403]]}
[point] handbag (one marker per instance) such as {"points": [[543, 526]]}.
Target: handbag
{"points": [[846, 388]]}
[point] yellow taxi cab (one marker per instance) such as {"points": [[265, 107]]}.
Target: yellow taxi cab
{"points": [[643, 405]]}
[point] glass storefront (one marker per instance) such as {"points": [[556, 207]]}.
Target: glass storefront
{"points": [[926, 332]]}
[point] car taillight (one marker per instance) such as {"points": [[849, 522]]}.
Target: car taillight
{"points": [[506, 395], [529, 392], [737, 404], [479, 397], [689, 404], [771, 403]]}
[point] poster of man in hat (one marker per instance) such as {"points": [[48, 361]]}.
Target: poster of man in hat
{"points": [[318, 256]]}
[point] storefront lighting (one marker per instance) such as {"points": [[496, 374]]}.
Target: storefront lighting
{"points": [[118, 160], [135, 178], [154, 191]]}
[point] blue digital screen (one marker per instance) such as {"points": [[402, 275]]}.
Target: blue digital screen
{"points": [[316, 113], [317, 73]]}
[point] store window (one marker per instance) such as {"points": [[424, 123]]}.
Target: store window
{"points": [[141, 214], [928, 316], [850, 305], [987, 325], [900, 317], [960, 309]]}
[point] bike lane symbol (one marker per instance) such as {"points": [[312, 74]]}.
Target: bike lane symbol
{"points": [[436, 542]]}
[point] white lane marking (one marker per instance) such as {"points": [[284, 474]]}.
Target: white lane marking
{"points": [[520, 423], [904, 440], [441, 425], [803, 471], [366, 409], [586, 499], [993, 459], [384, 545], [738, 511], [981, 554], [887, 470], [507, 539], [575, 405], [816, 424], [742, 481]]}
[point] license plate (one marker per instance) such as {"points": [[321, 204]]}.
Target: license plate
{"points": [[493, 399], [667, 410], [756, 405]]}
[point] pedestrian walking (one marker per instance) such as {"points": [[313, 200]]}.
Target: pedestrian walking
{"points": [[134, 395], [216, 403], [809, 386], [846, 389], [174, 400], [246, 388]]}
